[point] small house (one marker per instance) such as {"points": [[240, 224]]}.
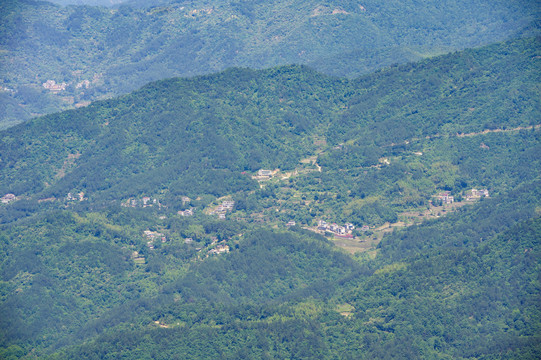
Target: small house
{"points": [[264, 173], [6, 199], [228, 204], [446, 197], [187, 212]]}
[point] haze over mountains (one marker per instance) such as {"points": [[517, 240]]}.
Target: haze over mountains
{"points": [[182, 133], [116, 241], [293, 195], [59, 57]]}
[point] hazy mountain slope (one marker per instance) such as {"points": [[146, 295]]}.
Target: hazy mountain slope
{"points": [[458, 93], [92, 278], [73, 276], [197, 136], [475, 300], [191, 136], [109, 3], [99, 52]]}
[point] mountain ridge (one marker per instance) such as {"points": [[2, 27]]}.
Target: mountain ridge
{"points": [[93, 53], [263, 118], [396, 214]]}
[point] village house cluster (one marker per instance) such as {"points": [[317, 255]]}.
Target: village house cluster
{"points": [[221, 210], [475, 194], [152, 236], [446, 197], [219, 249], [145, 201], [264, 174], [85, 83], [51, 85], [187, 212], [194, 12], [77, 197], [337, 230], [6, 199]]}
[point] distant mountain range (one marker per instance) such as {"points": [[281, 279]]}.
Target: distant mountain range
{"points": [[57, 58]]}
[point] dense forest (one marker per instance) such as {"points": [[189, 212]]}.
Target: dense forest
{"points": [[280, 294], [464, 304], [153, 225], [196, 136], [55, 57]]}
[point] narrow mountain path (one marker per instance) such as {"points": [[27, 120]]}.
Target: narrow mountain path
{"points": [[484, 132]]}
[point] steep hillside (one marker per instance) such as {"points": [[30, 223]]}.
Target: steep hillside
{"points": [[62, 57], [493, 87], [141, 226], [469, 302], [208, 135], [188, 136], [75, 275]]}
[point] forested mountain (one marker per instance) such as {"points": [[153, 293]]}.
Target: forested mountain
{"points": [[198, 136], [141, 226], [59, 57], [277, 295], [188, 136], [471, 302]]}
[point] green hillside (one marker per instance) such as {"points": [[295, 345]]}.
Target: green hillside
{"points": [[188, 136], [467, 299], [141, 227], [462, 304], [209, 134], [75, 275], [93, 53]]}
